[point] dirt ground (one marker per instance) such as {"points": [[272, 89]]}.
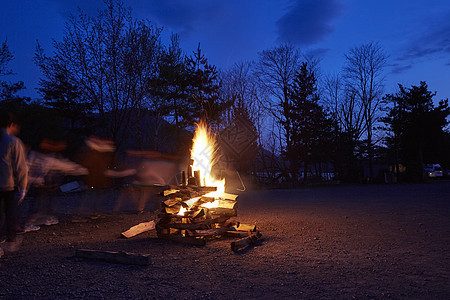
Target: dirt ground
{"points": [[340, 242]]}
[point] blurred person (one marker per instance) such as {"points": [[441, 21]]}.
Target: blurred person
{"points": [[153, 169], [13, 179], [46, 174], [97, 157]]}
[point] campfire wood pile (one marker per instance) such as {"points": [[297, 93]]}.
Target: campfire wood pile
{"points": [[199, 209], [189, 215]]}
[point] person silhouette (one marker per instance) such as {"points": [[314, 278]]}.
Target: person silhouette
{"points": [[13, 179]]}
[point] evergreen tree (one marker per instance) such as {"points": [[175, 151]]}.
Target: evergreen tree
{"points": [[310, 128], [415, 128], [203, 87]]}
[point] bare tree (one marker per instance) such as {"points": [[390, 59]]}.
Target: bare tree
{"points": [[343, 106], [110, 59], [347, 112], [240, 88], [364, 79], [275, 71]]}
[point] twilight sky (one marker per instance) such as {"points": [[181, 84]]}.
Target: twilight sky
{"points": [[414, 33]]}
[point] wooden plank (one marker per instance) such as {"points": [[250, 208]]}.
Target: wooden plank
{"points": [[196, 214], [228, 196], [245, 242], [193, 226], [170, 192], [197, 178], [202, 189], [235, 234], [231, 204], [209, 232], [244, 227], [172, 201], [174, 209], [219, 211], [198, 241], [115, 257], [138, 229]]}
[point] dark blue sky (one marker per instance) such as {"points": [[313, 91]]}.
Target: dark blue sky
{"points": [[415, 33]]}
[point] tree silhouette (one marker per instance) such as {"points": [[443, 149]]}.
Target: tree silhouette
{"points": [[415, 128], [109, 59], [364, 79], [311, 131]]}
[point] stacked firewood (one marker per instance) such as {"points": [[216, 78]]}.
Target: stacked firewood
{"points": [[187, 216]]}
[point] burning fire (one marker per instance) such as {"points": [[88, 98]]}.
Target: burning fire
{"points": [[203, 155]]}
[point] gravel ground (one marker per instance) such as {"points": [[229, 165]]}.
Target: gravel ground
{"points": [[341, 242]]}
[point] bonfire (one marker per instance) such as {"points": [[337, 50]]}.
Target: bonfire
{"points": [[199, 209]]}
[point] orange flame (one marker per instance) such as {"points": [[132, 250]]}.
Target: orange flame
{"points": [[204, 155]]}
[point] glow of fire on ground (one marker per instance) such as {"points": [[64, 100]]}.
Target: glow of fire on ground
{"points": [[203, 154]]}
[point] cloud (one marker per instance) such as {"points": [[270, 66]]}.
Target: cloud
{"points": [[398, 68], [308, 21], [431, 43], [180, 15]]}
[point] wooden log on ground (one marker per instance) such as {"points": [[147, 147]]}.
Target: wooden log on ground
{"points": [[198, 241], [244, 227], [235, 234], [138, 229], [245, 242], [209, 232], [115, 257]]}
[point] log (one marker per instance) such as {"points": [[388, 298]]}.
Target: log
{"points": [[202, 189], [183, 178], [244, 227], [196, 214], [210, 232], [228, 196], [198, 241], [245, 242], [138, 229], [115, 257], [231, 204], [219, 211], [172, 201], [172, 210], [197, 178], [165, 219], [193, 226], [191, 181], [170, 192], [235, 234]]}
